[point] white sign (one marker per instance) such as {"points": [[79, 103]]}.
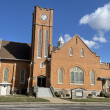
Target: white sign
{"points": [[79, 94]]}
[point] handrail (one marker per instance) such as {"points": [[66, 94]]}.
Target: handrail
{"points": [[52, 91]]}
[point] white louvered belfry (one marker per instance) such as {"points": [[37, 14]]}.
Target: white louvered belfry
{"points": [[39, 43], [46, 43]]}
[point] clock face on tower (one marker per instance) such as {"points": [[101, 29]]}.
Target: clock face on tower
{"points": [[44, 17]]}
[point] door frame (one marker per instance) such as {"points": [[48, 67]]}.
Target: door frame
{"points": [[41, 77]]}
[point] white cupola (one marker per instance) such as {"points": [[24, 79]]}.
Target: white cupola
{"points": [[60, 42]]}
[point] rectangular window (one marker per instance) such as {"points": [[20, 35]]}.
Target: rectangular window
{"points": [[46, 44], [39, 43]]}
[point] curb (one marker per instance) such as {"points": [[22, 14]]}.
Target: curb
{"points": [[50, 103]]}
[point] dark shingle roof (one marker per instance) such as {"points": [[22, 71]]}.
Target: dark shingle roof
{"points": [[15, 50]]}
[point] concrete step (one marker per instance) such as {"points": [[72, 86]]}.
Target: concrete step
{"points": [[44, 92]]}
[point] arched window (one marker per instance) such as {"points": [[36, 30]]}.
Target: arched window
{"points": [[92, 78], [39, 43], [46, 44], [5, 74], [22, 76], [71, 51], [76, 76], [42, 64], [82, 52], [60, 76]]}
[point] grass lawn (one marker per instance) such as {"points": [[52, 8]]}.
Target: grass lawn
{"points": [[21, 98], [90, 100]]}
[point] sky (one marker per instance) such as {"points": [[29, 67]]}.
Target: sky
{"points": [[90, 19]]}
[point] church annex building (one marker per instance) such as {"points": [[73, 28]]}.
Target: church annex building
{"points": [[39, 66]]}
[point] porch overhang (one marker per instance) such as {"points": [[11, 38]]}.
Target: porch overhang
{"points": [[104, 78], [5, 84]]}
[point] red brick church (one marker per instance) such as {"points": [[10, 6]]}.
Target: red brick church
{"points": [[40, 65]]}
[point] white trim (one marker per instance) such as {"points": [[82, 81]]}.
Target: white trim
{"points": [[5, 83], [40, 44], [58, 77], [39, 58], [45, 43], [94, 78], [76, 71], [3, 75], [43, 64], [70, 52], [82, 50], [0, 63], [76, 84]]}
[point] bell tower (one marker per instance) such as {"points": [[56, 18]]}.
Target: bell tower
{"points": [[41, 46]]}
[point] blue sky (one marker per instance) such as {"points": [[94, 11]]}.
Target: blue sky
{"points": [[90, 19]]}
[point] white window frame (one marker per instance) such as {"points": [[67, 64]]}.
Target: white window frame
{"points": [[70, 52], [75, 69], [91, 77], [82, 51], [38, 45], [41, 64], [59, 75], [46, 43], [24, 76], [3, 74]]}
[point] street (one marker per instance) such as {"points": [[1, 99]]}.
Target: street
{"points": [[53, 107]]}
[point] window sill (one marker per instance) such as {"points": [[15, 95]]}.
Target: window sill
{"points": [[82, 56], [39, 58], [70, 55], [76, 84], [92, 84], [60, 83], [42, 67]]}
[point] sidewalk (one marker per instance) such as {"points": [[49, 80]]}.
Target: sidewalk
{"points": [[57, 100]]}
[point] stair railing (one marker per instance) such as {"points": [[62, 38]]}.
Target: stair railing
{"points": [[52, 91]]}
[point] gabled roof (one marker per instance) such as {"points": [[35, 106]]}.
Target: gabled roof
{"points": [[15, 50], [81, 40]]}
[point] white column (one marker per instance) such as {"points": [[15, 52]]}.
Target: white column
{"points": [[105, 85], [101, 86], [0, 63]]}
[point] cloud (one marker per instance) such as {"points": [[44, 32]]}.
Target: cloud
{"points": [[90, 44], [67, 37], [98, 20], [100, 37]]}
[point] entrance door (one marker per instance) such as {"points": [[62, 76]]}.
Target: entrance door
{"points": [[41, 81], [3, 90]]}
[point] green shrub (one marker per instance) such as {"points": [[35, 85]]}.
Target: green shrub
{"points": [[67, 95], [28, 94], [102, 94], [90, 95], [58, 95]]}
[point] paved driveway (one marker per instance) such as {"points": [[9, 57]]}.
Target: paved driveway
{"points": [[52, 107]]}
